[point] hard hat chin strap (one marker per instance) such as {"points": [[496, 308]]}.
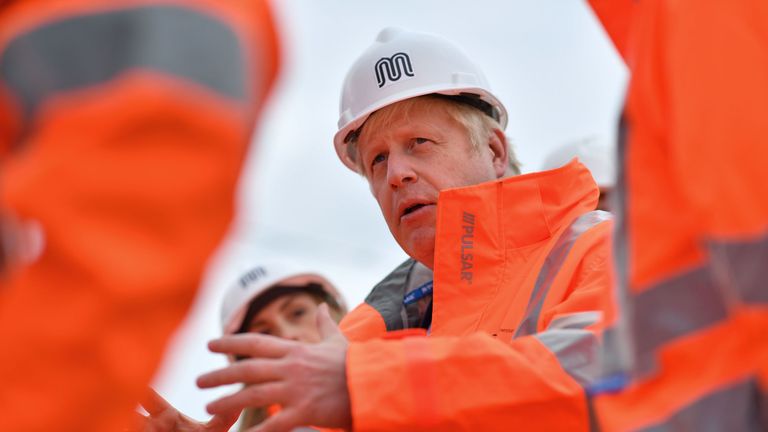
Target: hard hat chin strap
{"points": [[474, 101]]}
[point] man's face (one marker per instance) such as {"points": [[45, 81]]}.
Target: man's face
{"points": [[413, 155]]}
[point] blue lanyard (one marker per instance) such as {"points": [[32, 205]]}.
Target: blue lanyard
{"points": [[418, 294]]}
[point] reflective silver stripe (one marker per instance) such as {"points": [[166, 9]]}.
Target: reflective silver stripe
{"points": [[743, 266], [578, 320], [618, 351], [616, 360], [577, 352], [732, 409], [552, 265], [85, 50], [675, 307]]}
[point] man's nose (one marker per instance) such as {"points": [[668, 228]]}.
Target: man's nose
{"points": [[399, 170]]}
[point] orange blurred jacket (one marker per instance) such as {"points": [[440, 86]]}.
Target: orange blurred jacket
{"points": [[693, 239], [123, 128], [522, 284]]}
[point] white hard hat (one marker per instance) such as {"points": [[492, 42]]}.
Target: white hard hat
{"points": [[598, 158], [258, 280], [404, 64]]}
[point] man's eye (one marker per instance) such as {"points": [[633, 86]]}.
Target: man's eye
{"points": [[298, 313], [420, 140], [378, 159]]}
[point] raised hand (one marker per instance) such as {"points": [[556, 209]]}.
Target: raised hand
{"points": [[307, 380], [163, 417]]}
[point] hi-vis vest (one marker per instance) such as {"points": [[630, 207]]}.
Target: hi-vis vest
{"points": [[522, 285], [692, 243], [123, 129]]}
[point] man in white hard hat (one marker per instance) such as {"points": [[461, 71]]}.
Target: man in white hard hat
{"points": [[599, 159], [521, 287]]}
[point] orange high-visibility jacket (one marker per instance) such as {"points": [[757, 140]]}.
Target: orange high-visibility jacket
{"points": [[123, 127], [693, 242], [522, 282]]}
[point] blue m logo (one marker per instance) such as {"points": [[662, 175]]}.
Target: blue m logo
{"points": [[393, 68]]}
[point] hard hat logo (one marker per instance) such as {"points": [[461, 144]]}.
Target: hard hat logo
{"points": [[252, 276], [393, 68]]}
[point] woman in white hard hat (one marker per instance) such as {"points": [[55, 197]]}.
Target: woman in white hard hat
{"points": [[282, 301], [277, 299]]}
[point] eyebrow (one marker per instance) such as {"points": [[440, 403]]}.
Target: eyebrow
{"points": [[291, 298], [288, 301]]}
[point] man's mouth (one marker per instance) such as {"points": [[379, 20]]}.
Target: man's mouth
{"points": [[412, 209]]}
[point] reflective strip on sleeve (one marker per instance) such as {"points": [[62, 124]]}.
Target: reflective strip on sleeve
{"points": [[576, 350], [615, 361], [617, 349], [733, 409], [580, 351], [743, 267], [578, 320], [87, 50], [679, 305], [552, 265]]}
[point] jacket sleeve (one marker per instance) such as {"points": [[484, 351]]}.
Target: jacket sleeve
{"points": [[480, 382], [363, 323]]}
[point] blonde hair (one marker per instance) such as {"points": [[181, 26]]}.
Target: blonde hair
{"points": [[477, 124]]}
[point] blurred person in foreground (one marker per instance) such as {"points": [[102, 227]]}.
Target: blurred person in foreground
{"points": [[521, 264], [123, 128], [274, 298], [599, 159], [692, 237]]}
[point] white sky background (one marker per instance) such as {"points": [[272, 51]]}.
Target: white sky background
{"points": [[548, 61]]}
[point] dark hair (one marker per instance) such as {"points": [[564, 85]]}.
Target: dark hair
{"points": [[272, 294]]}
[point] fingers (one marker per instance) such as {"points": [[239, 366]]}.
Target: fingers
{"points": [[222, 422], [325, 324], [247, 371], [154, 403], [284, 420], [257, 395], [251, 345]]}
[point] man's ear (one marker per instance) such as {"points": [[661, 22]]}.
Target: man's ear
{"points": [[497, 143]]}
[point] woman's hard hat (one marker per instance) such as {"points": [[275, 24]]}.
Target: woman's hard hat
{"points": [[258, 280], [404, 64]]}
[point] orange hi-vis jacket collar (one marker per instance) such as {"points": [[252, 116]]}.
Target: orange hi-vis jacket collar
{"points": [[487, 235], [487, 232]]}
